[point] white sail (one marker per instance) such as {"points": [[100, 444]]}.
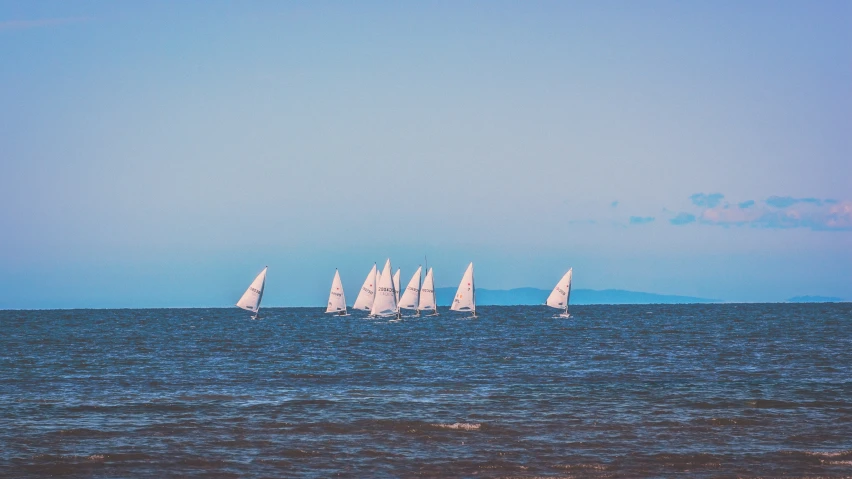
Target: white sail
{"points": [[561, 293], [251, 298], [411, 295], [465, 299], [396, 285], [365, 298], [336, 298], [385, 303], [427, 294]]}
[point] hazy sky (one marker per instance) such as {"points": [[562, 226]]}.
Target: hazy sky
{"points": [[161, 153]]}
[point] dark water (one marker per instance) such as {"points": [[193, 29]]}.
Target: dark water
{"points": [[619, 391]]}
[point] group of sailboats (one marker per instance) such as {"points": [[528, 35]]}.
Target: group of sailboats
{"points": [[380, 294]]}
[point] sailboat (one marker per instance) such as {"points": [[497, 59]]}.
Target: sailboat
{"points": [[364, 301], [561, 294], [465, 299], [336, 298], [385, 304], [411, 295], [250, 301], [396, 285], [427, 295]]}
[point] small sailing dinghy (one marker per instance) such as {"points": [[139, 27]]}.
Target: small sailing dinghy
{"points": [[385, 303], [250, 300], [411, 295], [396, 285], [561, 295], [465, 299], [336, 298], [427, 295], [367, 295]]}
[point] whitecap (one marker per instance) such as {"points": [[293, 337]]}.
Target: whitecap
{"points": [[459, 425]]}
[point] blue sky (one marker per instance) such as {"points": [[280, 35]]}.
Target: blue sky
{"points": [[160, 154]]}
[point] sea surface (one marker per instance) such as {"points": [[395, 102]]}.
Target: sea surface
{"points": [[756, 390]]}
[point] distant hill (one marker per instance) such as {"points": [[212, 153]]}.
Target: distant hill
{"points": [[531, 296], [815, 299]]}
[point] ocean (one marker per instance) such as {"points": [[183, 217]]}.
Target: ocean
{"points": [[717, 390]]}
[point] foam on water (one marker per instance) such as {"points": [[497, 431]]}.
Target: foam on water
{"points": [[459, 425]]}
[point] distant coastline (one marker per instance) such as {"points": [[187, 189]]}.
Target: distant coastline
{"points": [[816, 299], [536, 296]]}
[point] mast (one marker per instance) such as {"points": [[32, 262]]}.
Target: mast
{"points": [[262, 289], [420, 288], [473, 284], [395, 282], [345, 312], [434, 295], [568, 292]]}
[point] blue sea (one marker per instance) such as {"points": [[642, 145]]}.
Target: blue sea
{"points": [[733, 390]]}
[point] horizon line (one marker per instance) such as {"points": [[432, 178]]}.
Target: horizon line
{"points": [[446, 306]]}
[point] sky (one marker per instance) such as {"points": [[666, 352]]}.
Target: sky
{"points": [[160, 154]]}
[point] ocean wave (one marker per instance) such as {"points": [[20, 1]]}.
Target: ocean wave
{"points": [[465, 426], [97, 457], [54, 458], [200, 461], [537, 477], [309, 402], [722, 404], [210, 397], [823, 454], [84, 432], [324, 428], [143, 406], [685, 461], [373, 426], [583, 467], [729, 421], [311, 376], [277, 463], [773, 404], [298, 453]]}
